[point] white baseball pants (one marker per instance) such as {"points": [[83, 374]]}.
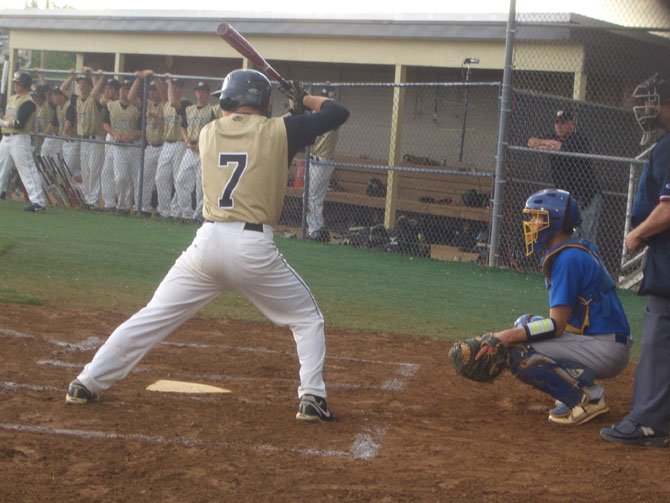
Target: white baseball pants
{"points": [[166, 174], [151, 155], [71, 156], [92, 158], [222, 257], [107, 183], [16, 151], [126, 164], [188, 178], [319, 178]]}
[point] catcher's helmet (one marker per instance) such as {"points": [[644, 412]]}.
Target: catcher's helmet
{"points": [[649, 96], [23, 78], [245, 88], [548, 212]]}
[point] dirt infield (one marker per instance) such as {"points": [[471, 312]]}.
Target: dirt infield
{"points": [[407, 428]]}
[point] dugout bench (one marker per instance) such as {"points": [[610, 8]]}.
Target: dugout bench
{"points": [[436, 194]]}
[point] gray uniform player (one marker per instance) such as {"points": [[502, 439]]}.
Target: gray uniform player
{"points": [[245, 158]]}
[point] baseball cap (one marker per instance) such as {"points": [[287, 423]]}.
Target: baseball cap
{"points": [[127, 84], [152, 84], [564, 116], [56, 90], [202, 85], [83, 76], [39, 89], [112, 83]]}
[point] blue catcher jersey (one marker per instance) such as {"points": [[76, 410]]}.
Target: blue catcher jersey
{"points": [[576, 277]]}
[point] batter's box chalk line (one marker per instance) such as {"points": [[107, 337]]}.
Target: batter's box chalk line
{"points": [[366, 444]]}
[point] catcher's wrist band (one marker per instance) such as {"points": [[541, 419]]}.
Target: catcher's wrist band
{"points": [[540, 330]]}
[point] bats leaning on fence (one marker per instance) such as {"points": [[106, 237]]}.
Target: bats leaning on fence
{"points": [[242, 45]]}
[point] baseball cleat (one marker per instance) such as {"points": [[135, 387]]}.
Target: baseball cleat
{"points": [[34, 208], [313, 409], [580, 413], [631, 433], [78, 394]]}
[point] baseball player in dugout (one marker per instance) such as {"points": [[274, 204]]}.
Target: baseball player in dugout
{"points": [[122, 120], [319, 179], [53, 147], [188, 176], [110, 93], [585, 335], [86, 113], [154, 138], [245, 159], [15, 148], [648, 422], [44, 114], [174, 113]]}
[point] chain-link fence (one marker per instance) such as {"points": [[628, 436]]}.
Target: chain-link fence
{"points": [[582, 101], [419, 167]]}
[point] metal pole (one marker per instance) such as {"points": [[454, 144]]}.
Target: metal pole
{"points": [[143, 143], [305, 195], [501, 152], [465, 111]]}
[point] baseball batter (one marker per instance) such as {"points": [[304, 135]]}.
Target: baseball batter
{"points": [[15, 148], [245, 158]]}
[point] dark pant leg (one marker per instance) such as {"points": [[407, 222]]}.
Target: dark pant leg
{"points": [[651, 394]]}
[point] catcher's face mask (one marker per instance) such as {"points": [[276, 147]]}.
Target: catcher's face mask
{"points": [[535, 222], [647, 107]]}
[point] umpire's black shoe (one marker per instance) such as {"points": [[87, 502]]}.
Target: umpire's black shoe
{"points": [[78, 394], [631, 433], [313, 409], [34, 208]]}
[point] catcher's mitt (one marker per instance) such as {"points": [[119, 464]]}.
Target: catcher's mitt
{"points": [[488, 367]]}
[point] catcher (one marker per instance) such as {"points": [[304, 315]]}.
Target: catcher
{"points": [[586, 335]]}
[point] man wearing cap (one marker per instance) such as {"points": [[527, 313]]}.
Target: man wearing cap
{"points": [[110, 92], [52, 147], [573, 174], [15, 149], [174, 113], [122, 120], [44, 114], [188, 177], [154, 140], [86, 112]]}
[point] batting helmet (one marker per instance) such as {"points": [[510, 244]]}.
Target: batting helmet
{"points": [[23, 78], [649, 96], [548, 212], [245, 88]]}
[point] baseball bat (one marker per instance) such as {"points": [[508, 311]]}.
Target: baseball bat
{"points": [[242, 45]]}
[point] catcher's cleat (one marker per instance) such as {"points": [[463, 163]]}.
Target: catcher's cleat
{"points": [[313, 409], [580, 413], [78, 394], [631, 433]]}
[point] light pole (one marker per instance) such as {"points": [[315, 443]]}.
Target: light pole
{"points": [[467, 62]]}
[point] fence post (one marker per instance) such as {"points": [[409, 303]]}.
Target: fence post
{"points": [[501, 151], [394, 146]]}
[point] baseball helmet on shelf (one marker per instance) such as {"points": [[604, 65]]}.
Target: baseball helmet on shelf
{"points": [[23, 78], [649, 96], [245, 88], [546, 213]]}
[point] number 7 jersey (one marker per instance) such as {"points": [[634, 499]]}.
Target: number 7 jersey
{"points": [[244, 159]]}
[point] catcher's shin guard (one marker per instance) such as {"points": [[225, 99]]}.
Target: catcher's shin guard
{"points": [[547, 375]]}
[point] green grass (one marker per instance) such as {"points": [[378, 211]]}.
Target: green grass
{"points": [[93, 260]]}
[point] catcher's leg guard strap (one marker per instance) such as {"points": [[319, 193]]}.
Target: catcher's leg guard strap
{"points": [[545, 374]]}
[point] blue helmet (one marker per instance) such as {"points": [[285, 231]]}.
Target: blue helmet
{"points": [[548, 212]]}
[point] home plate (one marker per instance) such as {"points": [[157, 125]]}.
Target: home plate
{"points": [[184, 387]]}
